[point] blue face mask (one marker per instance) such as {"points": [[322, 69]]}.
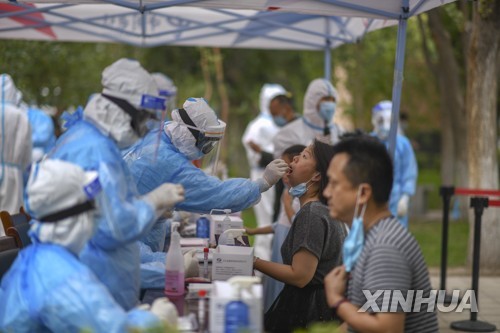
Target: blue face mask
{"points": [[327, 110], [280, 121], [353, 243], [299, 190]]}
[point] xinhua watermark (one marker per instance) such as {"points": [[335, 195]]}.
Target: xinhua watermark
{"points": [[417, 301]]}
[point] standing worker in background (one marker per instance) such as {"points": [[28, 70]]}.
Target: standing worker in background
{"points": [[260, 132], [114, 120], [282, 112], [405, 164], [15, 149], [320, 103]]}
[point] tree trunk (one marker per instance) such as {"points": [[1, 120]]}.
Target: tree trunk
{"points": [[205, 69], [481, 101], [452, 111], [224, 99]]}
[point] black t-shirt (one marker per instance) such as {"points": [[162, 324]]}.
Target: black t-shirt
{"points": [[314, 230]]}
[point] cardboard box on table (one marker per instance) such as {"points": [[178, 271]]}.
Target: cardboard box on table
{"points": [[229, 261], [222, 294]]}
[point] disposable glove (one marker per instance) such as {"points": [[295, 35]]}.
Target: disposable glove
{"points": [[403, 205], [165, 196], [273, 172], [191, 268], [165, 310]]}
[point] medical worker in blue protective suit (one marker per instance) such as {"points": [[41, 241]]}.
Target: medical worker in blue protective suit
{"points": [[405, 164], [115, 119], [15, 146], [42, 132], [155, 239], [47, 288], [320, 104], [193, 132], [167, 90]]}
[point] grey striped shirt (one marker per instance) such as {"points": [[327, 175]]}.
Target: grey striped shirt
{"points": [[391, 260]]}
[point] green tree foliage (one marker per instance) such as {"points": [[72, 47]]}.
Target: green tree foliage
{"points": [[76, 69]]}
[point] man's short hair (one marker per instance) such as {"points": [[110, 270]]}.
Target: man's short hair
{"points": [[369, 162]]}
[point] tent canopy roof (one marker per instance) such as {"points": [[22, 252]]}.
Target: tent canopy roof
{"points": [[272, 24]]}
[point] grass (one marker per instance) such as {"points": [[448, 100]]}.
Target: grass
{"points": [[428, 236], [249, 220], [431, 177]]}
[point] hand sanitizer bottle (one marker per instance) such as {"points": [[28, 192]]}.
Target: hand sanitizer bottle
{"points": [[174, 275], [237, 317]]}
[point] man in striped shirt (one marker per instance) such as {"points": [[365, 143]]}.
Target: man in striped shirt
{"points": [[388, 287]]}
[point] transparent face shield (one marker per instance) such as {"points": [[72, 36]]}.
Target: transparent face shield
{"points": [[207, 139]]}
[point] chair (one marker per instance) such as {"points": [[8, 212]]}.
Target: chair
{"points": [[13, 220], [7, 257], [7, 243], [20, 234], [17, 226]]}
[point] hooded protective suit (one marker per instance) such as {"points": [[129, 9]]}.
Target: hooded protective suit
{"points": [[405, 163], [123, 216], [261, 131], [152, 163], [168, 90], [311, 126], [47, 288], [15, 146]]}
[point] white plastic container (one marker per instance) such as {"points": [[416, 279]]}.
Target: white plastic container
{"points": [[221, 223]]}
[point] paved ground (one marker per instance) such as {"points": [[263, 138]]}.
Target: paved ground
{"points": [[489, 300]]}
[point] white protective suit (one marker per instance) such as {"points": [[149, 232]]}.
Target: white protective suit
{"points": [[15, 146], [261, 131], [311, 126]]}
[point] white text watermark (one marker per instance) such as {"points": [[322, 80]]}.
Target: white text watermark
{"points": [[417, 301]]}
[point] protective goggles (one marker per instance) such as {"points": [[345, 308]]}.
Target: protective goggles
{"points": [[167, 93], [206, 139], [147, 102]]}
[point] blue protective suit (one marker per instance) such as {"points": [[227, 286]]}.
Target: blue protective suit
{"points": [[405, 174], [113, 252], [42, 130], [153, 162], [48, 290]]}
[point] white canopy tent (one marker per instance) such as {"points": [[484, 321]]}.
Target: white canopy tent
{"points": [[267, 24]]}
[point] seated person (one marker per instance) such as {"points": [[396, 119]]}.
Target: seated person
{"points": [[47, 288]]}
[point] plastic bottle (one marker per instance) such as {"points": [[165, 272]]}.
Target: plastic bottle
{"points": [[237, 313], [228, 237], [174, 275], [203, 227], [226, 223]]}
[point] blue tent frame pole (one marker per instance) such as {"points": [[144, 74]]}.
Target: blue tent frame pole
{"points": [[328, 51], [398, 76]]}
